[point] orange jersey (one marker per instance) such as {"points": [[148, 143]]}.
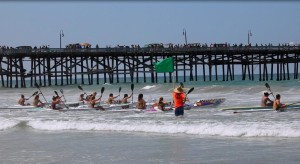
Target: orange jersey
{"points": [[178, 99]]}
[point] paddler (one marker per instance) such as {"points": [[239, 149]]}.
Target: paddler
{"points": [[179, 99], [125, 98], [141, 104], [265, 100], [55, 100], [22, 101], [277, 105], [111, 99], [162, 104], [37, 102], [93, 101], [125, 101], [81, 98]]}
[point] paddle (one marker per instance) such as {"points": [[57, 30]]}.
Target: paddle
{"points": [[132, 87], [79, 87], [181, 84], [119, 94], [36, 85], [62, 92], [102, 90], [61, 101], [292, 103], [191, 90], [268, 86], [35, 93]]}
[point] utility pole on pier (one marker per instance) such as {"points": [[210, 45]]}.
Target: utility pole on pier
{"points": [[249, 34], [61, 34], [184, 34]]}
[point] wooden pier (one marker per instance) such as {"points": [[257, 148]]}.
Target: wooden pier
{"points": [[67, 66]]}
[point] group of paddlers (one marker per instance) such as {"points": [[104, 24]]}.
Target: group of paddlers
{"points": [[179, 98], [276, 104]]}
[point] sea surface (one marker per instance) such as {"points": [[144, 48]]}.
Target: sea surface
{"points": [[203, 135]]}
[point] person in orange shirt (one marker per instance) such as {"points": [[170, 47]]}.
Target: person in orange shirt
{"points": [[179, 99]]}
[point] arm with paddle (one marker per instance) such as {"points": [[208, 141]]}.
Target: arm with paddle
{"points": [[190, 90], [62, 92], [35, 93], [23, 99], [268, 86], [36, 85], [99, 99], [276, 104], [59, 97]]}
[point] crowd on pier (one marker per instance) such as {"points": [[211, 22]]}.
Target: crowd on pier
{"points": [[155, 46]]}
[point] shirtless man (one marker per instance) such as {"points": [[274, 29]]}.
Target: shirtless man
{"points": [[265, 100], [22, 101]]}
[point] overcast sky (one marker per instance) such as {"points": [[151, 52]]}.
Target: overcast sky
{"points": [[131, 22]]}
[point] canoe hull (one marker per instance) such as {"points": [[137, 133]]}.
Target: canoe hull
{"points": [[209, 102]]}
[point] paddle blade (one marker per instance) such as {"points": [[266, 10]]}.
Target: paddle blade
{"points": [[191, 90], [79, 87], [132, 87], [56, 93], [181, 84], [35, 93], [102, 90], [267, 85], [61, 91], [120, 89]]}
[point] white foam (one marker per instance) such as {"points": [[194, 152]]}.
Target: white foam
{"points": [[149, 87], [232, 129], [7, 123]]}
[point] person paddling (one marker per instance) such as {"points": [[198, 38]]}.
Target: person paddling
{"points": [[277, 105], [265, 100], [22, 101], [125, 98], [161, 104], [93, 101], [179, 99], [82, 99], [141, 104], [37, 102], [111, 99], [55, 100], [125, 101]]}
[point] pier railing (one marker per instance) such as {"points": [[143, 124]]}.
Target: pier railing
{"points": [[149, 50]]}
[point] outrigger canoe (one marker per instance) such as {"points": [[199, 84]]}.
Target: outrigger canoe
{"points": [[68, 106], [209, 102], [261, 109], [21, 107]]}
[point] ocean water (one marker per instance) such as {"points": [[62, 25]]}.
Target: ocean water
{"points": [[203, 135]]}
